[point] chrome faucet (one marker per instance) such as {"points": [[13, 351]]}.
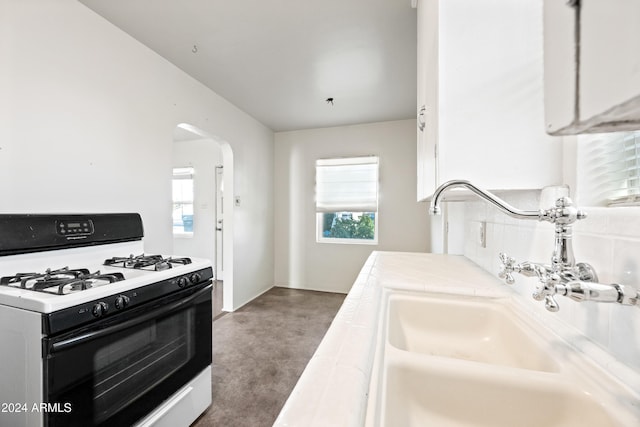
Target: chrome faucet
{"points": [[563, 276]]}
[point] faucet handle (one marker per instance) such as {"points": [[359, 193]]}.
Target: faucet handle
{"points": [[546, 288], [508, 266], [550, 304], [540, 293]]}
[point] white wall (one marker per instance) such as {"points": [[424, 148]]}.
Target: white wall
{"points": [[86, 122], [203, 155], [301, 262]]}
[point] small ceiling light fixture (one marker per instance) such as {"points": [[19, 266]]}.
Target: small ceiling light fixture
{"points": [[194, 49], [329, 101]]}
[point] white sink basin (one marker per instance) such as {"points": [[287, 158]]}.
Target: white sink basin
{"points": [[463, 361], [444, 394], [465, 328]]}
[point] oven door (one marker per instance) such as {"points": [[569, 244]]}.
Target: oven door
{"points": [[118, 370]]}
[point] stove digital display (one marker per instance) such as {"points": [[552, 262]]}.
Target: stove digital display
{"points": [[75, 228]]}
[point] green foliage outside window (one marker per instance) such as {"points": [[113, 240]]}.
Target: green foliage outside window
{"points": [[343, 225]]}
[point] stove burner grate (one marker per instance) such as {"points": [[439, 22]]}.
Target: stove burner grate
{"points": [[146, 262], [61, 281]]}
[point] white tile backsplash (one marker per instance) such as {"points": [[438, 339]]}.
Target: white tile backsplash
{"points": [[608, 239]]}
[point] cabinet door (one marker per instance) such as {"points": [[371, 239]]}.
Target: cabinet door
{"points": [[480, 80], [427, 97], [427, 154], [610, 60], [560, 65], [490, 107], [592, 66]]}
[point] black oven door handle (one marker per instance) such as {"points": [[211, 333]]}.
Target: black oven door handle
{"points": [[80, 339]]}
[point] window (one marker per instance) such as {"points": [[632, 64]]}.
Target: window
{"points": [[610, 165], [182, 201], [347, 200]]}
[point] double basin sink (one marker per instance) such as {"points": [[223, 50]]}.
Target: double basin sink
{"points": [[459, 361]]}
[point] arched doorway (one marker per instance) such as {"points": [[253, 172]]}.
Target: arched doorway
{"points": [[208, 230]]}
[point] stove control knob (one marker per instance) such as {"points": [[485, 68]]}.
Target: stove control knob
{"points": [[183, 281], [121, 302], [195, 278], [100, 309]]}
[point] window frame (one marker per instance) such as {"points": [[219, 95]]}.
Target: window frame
{"points": [[180, 174], [346, 207], [340, 240]]}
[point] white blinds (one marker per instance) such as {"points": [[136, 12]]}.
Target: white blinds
{"points": [[182, 173], [347, 184], [182, 185], [613, 165]]}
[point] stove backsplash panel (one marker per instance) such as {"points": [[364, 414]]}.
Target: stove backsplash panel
{"points": [[26, 233]]}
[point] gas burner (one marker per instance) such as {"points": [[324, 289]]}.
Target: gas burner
{"points": [[61, 281], [146, 262]]}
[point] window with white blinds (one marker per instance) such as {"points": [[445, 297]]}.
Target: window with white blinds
{"points": [[347, 200], [611, 165], [347, 184], [182, 195]]}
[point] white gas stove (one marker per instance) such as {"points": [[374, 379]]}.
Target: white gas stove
{"points": [[32, 281], [112, 335]]}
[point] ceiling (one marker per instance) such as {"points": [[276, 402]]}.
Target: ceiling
{"points": [[279, 60]]}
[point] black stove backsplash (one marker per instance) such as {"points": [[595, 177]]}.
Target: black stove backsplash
{"points": [[26, 233]]}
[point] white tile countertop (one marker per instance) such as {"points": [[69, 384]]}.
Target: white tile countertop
{"points": [[333, 390]]}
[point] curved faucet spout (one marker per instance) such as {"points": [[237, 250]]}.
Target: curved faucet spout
{"points": [[563, 276], [503, 206]]}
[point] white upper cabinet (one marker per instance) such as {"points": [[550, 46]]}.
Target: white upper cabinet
{"points": [[427, 97], [480, 83], [591, 65]]}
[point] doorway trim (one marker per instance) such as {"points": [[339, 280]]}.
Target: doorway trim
{"points": [[228, 209]]}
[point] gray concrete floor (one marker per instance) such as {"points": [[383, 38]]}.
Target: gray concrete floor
{"points": [[260, 351]]}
